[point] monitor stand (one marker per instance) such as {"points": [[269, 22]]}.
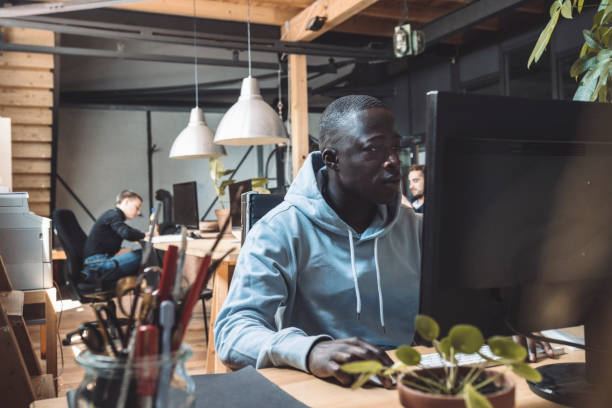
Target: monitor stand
{"points": [[563, 383], [580, 384]]}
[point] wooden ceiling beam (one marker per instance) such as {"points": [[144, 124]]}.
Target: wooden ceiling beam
{"points": [[217, 10], [336, 12]]}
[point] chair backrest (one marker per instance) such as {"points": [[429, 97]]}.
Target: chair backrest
{"points": [[255, 206], [73, 238]]}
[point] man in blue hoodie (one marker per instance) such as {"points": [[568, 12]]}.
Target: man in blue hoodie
{"points": [[332, 274]]}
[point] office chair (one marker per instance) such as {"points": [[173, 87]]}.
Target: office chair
{"points": [[73, 238], [254, 206]]}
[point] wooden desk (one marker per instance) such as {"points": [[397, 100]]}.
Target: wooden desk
{"points": [[196, 249], [318, 393], [48, 331]]}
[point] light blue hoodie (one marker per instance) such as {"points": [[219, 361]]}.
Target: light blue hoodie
{"points": [[303, 274]]}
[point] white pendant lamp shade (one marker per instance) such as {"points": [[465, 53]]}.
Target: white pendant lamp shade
{"points": [[250, 121], [196, 140]]}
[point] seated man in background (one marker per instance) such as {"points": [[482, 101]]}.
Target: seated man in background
{"points": [[416, 177], [332, 274], [104, 241]]}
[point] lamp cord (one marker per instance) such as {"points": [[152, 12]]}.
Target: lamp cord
{"points": [[195, 55], [249, 33]]}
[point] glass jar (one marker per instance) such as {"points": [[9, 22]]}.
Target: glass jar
{"points": [[104, 377]]}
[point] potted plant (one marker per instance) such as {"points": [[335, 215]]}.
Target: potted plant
{"points": [[451, 386], [217, 174]]}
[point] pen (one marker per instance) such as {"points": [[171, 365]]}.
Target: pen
{"points": [[176, 290], [166, 284], [166, 320], [146, 368]]}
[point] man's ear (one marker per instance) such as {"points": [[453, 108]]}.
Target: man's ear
{"points": [[330, 158]]}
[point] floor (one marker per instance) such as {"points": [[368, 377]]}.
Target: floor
{"points": [[73, 314]]}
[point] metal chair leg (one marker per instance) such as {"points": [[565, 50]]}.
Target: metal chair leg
{"points": [[205, 318]]}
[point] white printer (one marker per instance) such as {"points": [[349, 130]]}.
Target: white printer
{"points": [[25, 243]]}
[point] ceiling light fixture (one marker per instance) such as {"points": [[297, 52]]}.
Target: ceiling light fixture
{"points": [[250, 121], [196, 140]]}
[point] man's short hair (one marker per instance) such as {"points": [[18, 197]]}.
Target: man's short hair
{"points": [[127, 194], [339, 113], [418, 167]]}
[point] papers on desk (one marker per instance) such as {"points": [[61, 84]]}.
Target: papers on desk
{"points": [[163, 239]]}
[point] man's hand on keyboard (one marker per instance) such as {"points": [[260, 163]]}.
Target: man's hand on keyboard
{"points": [[531, 345], [326, 357]]}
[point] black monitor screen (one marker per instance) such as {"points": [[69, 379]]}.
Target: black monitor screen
{"points": [[185, 204], [235, 192], [518, 224]]}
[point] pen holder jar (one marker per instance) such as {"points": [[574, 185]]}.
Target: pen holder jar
{"points": [[151, 382]]}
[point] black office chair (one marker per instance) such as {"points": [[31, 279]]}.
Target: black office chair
{"points": [[73, 238], [254, 206]]}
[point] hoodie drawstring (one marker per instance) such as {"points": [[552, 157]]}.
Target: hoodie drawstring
{"points": [[380, 295], [355, 282], [378, 281]]}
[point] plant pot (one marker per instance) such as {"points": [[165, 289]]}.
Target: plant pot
{"points": [[222, 216], [412, 398]]}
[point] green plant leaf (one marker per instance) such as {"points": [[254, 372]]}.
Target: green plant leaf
{"points": [[581, 65], [580, 4], [408, 355], [216, 166], [466, 338], [555, 7], [259, 181], [507, 348], [367, 366], [261, 190], [474, 399], [427, 327], [589, 39], [566, 9], [526, 371], [544, 38], [443, 347], [226, 172], [363, 378]]}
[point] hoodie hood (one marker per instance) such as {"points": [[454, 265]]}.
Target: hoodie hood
{"points": [[305, 195]]}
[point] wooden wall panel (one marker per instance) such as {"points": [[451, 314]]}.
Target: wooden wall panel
{"points": [[31, 150], [41, 166], [26, 78], [26, 97], [27, 116], [41, 209], [28, 36], [23, 182], [26, 60], [39, 195], [24, 133]]}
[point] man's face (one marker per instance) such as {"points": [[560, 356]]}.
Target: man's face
{"points": [[131, 207], [417, 184], [368, 162]]}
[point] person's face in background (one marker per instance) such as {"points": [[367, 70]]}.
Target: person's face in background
{"points": [[417, 184], [130, 207], [368, 165]]}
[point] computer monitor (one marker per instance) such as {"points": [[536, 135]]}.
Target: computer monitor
{"points": [[518, 230], [185, 204], [235, 192]]}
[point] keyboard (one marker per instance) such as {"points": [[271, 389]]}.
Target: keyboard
{"points": [[434, 360]]}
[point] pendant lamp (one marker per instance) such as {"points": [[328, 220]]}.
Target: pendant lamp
{"points": [[250, 121], [196, 140]]}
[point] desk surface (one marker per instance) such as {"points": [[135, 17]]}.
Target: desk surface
{"points": [[318, 393], [199, 247]]}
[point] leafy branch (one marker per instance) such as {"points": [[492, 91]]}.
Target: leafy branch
{"points": [[595, 60]]}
